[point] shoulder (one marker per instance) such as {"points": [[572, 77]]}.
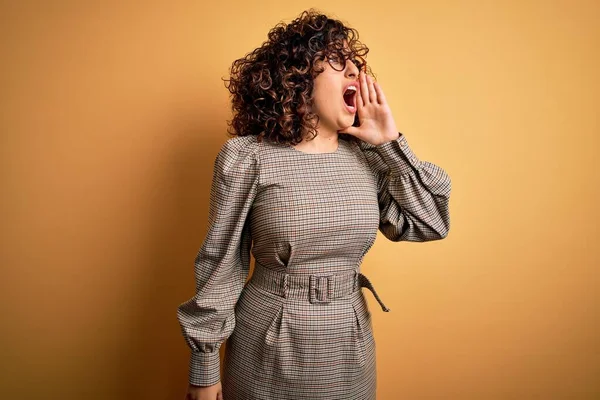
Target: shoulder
{"points": [[238, 152], [236, 143], [364, 150], [239, 146], [370, 155]]}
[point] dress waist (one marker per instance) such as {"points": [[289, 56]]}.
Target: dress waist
{"points": [[317, 288]]}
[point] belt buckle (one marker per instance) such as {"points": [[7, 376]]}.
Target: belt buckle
{"points": [[320, 288]]}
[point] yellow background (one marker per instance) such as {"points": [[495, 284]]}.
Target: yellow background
{"points": [[112, 114]]}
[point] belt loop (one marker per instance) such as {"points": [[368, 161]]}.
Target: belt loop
{"points": [[286, 286]]}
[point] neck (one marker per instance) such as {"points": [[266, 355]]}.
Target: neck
{"points": [[322, 143]]}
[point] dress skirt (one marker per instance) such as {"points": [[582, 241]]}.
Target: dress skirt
{"points": [[304, 337]]}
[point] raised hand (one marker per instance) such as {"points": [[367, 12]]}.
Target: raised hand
{"points": [[377, 124]]}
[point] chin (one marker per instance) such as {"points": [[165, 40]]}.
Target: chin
{"points": [[347, 122]]}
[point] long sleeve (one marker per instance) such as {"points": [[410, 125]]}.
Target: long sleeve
{"points": [[222, 263], [413, 194]]}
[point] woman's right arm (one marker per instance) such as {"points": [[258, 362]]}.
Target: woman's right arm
{"points": [[222, 263]]}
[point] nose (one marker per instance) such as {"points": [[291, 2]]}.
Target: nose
{"points": [[351, 69]]}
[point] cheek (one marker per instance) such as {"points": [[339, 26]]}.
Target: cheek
{"points": [[324, 96], [319, 99]]}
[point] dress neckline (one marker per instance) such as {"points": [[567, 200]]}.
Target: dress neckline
{"points": [[329, 153]]}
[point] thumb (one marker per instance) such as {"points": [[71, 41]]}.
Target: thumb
{"points": [[351, 130]]}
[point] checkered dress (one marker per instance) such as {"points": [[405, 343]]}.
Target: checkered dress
{"points": [[300, 327]]}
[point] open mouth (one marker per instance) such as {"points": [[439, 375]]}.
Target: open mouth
{"points": [[350, 98]]}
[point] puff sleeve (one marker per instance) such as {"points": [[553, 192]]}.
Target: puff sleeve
{"points": [[413, 194], [222, 263]]}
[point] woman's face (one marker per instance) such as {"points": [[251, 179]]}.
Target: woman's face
{"points": [[329, 102]]}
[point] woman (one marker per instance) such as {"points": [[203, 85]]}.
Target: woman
{"points": [[316, 166]]}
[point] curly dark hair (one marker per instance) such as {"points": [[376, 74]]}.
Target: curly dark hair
{"points": [[271, 87]]}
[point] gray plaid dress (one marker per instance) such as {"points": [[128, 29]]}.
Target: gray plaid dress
{"points": [[300, 327]]}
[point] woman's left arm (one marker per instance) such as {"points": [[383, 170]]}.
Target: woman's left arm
{"points": [[413, 194]]}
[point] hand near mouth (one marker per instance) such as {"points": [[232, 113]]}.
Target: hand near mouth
{"points": [[377, 124]]}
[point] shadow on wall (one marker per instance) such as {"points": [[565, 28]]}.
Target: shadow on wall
{"points": [[152, 359]]}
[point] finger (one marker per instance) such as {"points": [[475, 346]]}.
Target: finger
{"points": [[359, 102], [364, 90], [380, 95], [372, 93]]}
